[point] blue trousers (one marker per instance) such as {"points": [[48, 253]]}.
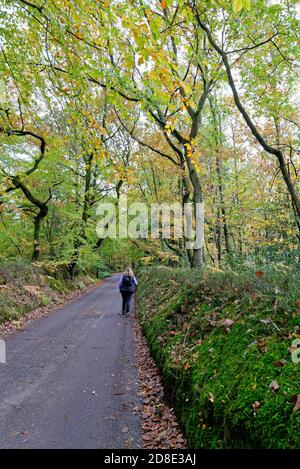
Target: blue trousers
{"points": [[126, 299]]}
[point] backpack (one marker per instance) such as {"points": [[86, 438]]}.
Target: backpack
{"points": [[127, 281]]}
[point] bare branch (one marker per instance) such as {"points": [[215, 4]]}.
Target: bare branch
{"points": [[138, 140], [32, 5], [243, 49]]}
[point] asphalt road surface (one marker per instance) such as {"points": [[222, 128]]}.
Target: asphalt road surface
{"points": [[70, 379]]}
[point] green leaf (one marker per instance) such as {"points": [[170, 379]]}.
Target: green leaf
{"points": [[238, 5]]}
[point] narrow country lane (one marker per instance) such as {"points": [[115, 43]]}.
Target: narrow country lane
{"points": [[70, 379]]}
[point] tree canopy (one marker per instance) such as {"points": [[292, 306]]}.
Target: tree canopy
{"points": [[162, 101]]}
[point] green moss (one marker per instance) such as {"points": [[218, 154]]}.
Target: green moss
{"points": [[56, 284], [218, 379], [45, 300]]}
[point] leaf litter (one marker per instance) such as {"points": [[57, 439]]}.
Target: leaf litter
{"points": [[160, 429]]}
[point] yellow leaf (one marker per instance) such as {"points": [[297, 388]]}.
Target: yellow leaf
{"points": [[153, 75], [237, 5], [187, 88]]}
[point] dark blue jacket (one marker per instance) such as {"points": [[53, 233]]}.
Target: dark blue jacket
{"points": [[131, 289]]}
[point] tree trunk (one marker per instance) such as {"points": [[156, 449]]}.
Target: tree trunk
{"points": [[222, 202], [197, 261], [185, 187], [37, 230], [289, 185], [217, 127], [218, 240], [254, 130], [79, 241]]}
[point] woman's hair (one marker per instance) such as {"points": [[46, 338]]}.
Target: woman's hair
{"points": [[129, 272]]}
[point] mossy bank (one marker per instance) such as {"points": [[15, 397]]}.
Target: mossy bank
{"points": [[25, 287], [223, 343]]}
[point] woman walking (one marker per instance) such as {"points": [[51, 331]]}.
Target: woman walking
{"points": [[127, 287]]}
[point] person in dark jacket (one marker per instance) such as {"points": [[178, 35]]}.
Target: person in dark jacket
{"points": [[127, 287]]}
